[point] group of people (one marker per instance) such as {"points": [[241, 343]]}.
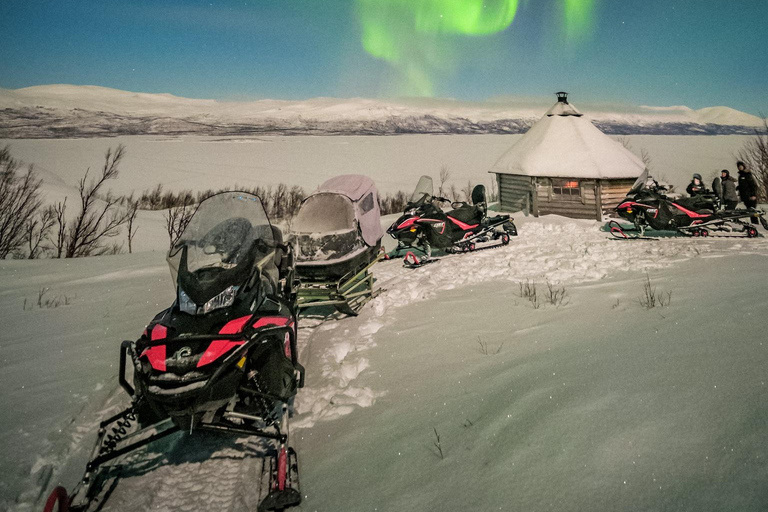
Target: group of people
{"points": [[729, 189]]}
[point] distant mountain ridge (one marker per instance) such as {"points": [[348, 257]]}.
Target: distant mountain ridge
{"points": [[64, 111]]}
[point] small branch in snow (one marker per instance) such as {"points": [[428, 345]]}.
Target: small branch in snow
{"points": [[437, 443]]}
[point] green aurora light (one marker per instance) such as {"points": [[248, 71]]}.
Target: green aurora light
{"points": [[417, 37]]}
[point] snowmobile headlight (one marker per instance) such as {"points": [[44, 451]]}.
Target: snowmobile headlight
{"points": [[222, 300]]}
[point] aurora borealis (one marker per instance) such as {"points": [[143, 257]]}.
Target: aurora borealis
{"points": [[656, 52], [418, 37]]}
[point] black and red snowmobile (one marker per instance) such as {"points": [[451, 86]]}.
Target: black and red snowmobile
{"points": [[222, 358], [648, 206], [425, 226]]}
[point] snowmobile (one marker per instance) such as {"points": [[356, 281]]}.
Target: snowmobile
{"points": [[337, 233], [424, 225], [222, 358], [648, 205]]}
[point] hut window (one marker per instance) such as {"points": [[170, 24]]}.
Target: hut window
{"points": [[567, 189]]}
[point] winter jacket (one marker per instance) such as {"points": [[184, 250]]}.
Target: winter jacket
{"points": [[694, 190], [747, 185], [729, 189]]}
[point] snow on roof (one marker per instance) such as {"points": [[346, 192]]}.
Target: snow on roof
{"points": [[354, 186], [563, 109], [567, 145]]}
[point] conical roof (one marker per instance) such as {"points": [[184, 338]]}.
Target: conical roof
{"points": [[565, 144]]}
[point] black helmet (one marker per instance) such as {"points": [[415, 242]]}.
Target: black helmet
{"points": [[697, 176]]}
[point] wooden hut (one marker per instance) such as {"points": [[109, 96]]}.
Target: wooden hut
{"points": [[564, 165]]}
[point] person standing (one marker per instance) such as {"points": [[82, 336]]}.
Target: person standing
{"points": [[747, 188], [728, 195]]}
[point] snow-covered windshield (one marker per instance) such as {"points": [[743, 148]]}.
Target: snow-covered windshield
{"points": [[228, 232], [424, 186], [325, 213]]}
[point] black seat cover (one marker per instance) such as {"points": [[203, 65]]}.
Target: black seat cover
{"points": [[467, 214]]}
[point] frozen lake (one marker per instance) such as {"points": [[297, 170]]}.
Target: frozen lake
{"points": [[395, 163]]}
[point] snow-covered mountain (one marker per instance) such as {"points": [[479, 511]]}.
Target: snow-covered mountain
{"points": [[53, 111]]}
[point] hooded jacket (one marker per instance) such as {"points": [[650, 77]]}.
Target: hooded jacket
{"points": [[747, 185]]}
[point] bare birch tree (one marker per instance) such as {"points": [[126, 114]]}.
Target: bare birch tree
{"points": [[19, 201]]}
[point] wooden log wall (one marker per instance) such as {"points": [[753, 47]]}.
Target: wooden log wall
{"points": [[614, 191], [515, 192], [598, 197]]}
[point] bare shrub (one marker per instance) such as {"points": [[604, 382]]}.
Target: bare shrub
{"points": [[652, 298], [467, 191], [754, 154], [556, 295], [133, 209], [437, 443], [528, 291], [445, 175], [85, 235], [49, 302], [454, 193], [644, 155], [176, 220], [485, 349], [393, 203], [37, 230], [19, 201]]}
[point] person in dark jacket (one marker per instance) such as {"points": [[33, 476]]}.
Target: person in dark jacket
{"points": [[728, 196], [696, 186], [747, 188]]}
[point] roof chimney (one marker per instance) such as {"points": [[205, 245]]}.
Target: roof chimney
{"points": [[562, 107]]}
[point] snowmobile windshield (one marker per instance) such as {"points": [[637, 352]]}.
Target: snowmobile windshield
{"points": [[640, 182], [325, 213], [424, 190], [228, 237]]}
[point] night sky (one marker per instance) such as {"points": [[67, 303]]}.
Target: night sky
{"points": [[641, 52]]}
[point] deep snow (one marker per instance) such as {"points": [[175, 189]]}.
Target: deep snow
{"points": [[599, 404], [659, 409]]}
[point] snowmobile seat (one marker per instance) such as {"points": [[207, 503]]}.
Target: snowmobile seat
{"points": [[478, 198], [467, 214], [703, 204]]}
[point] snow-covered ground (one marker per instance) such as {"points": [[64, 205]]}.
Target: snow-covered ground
{"points": [[595, 404]]}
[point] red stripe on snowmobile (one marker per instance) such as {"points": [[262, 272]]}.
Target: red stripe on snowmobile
{"points": [[156, 356], [407, 222], [216, 349], [280, 321], [461, 224], [159, 332], [690, 213]]}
